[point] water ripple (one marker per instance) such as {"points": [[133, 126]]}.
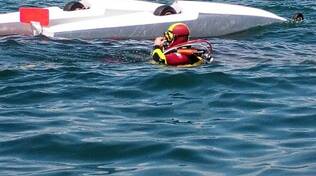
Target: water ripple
{"points": [[76, 107]]}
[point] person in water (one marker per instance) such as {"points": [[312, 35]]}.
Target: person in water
{"points": [[176, 34]]}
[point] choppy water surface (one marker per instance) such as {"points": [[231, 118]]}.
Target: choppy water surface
{"points": [[71, 107]]}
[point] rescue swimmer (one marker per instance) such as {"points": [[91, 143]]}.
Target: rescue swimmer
{"points": [[175, 49]]}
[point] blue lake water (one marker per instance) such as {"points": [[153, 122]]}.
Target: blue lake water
{"points": [[71, 107]]}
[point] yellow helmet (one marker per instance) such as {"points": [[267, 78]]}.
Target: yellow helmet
{"points": [[177, 30]]}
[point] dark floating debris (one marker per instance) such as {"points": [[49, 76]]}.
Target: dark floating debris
{"points": [[298, 17]]}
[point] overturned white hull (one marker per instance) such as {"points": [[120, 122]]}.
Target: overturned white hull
{"points": [[132, 19]]}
